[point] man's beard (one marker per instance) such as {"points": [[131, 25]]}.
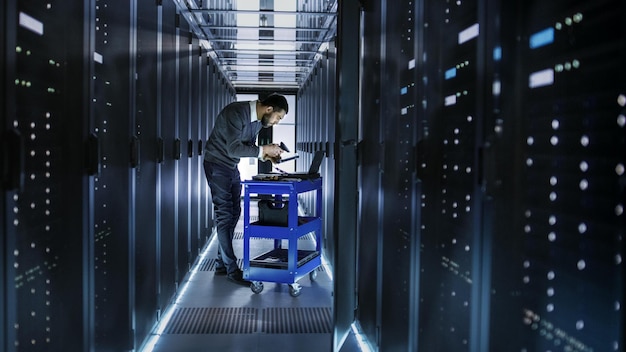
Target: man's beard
{"points": [[265, 120]]}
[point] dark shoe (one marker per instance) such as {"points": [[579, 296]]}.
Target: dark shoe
{"points": [[220, 271], [237, 277]]}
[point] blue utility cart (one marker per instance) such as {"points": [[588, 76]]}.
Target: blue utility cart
{"points": [[279, 220]]}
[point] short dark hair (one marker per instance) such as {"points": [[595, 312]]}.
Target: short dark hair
{"points": [[276, 101]]}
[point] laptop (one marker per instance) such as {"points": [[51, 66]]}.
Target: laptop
{"points": [[314, 171]]}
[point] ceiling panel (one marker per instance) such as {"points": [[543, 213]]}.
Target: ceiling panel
{"points": [[263, 43]]}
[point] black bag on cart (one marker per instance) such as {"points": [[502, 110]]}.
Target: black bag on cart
{"points": [[273, 213]]}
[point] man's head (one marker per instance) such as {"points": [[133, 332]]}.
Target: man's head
{"points": [[275, 108]]}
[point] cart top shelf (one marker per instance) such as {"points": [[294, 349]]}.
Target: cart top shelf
{"points": [[284, 186]]}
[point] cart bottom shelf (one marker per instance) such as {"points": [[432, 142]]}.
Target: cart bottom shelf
{"points": [[278, 258]]}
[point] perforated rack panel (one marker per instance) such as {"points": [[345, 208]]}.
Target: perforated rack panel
{"points": [[573, 169], [42, 186]]}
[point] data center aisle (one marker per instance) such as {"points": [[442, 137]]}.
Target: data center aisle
{"points": [[215, 314]]}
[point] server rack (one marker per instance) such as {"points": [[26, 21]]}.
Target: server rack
{"points": [[169, 275], [572, 86], [371, 147], [504, 215], [86, 121], [146, 120], [46, 236]]}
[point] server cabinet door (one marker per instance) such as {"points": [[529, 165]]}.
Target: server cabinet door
{"points": [[45, 223], [344, 261], [370, 175], [204, 222], [572, 143], [193, 125], [400, 241], [451, 239], [112, 187], [8, 184], [169, 163], [328, 168], [144, 129], [184, 112]]}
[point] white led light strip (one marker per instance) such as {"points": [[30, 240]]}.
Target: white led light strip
{"points": [[31, 23]]}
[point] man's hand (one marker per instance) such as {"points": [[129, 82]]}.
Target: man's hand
{"points": [[271, 152], [274, 160]]}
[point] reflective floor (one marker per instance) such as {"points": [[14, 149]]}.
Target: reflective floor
{"points": [[215, 314]]}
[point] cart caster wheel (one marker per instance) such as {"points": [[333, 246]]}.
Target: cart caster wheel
{"points": [[294, 290], [313, 275], [256, 287]]}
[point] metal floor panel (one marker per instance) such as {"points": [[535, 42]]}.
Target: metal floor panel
{"points": [[205, 320], [215, 314], [246, 320], [297, 320]]}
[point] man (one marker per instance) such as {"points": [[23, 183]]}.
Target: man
{"points": [[233, 137]]}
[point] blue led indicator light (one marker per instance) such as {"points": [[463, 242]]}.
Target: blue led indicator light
{"points": [[542, 38], [451, 73], [403, 91], [497, 53]]}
